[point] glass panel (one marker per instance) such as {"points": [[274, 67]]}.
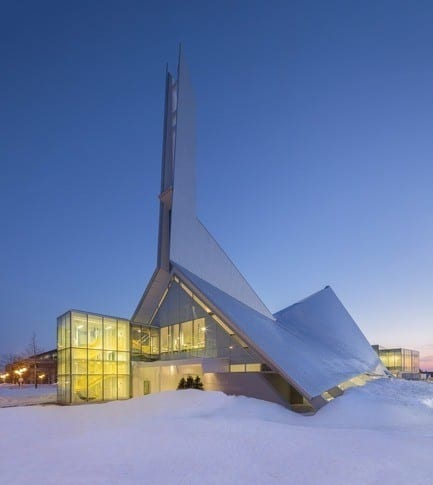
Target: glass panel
{"points": [[79, 361], [176, 337], [94, 388], [79, 330], [186, 336], [164, 339], [67, 365], [79, 389], [123, 362], [95, 362], [61, 362], [94, 323], [110, 333], [61, 389], [110, 367], [136, 339], [199, 333], [61, 341], [122, 335], [415, 363], [145, 341], [110, 387], [154, 341], [68, 329], [397, 361], [66, 361], [110, 362], [123, 367], [177, 307], [141, 342]]}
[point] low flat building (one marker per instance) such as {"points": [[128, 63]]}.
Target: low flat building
{"points": [[400, 362], [42, 367]]}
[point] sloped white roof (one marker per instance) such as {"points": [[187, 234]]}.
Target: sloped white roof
{"points": [[315, 344], [191, 245]]}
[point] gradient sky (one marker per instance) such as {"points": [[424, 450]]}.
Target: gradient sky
{"points": [[314, 146]]}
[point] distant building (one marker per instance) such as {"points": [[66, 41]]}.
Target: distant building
{"points": [[41, 366], [199, 316], [400, 362]]}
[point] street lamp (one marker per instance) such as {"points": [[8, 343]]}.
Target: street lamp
{"points": [[19, 372]]}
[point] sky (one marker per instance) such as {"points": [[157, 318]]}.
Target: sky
{"points": [[314, 155]]}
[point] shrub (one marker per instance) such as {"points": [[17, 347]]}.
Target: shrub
{"points": [[190, 383]]}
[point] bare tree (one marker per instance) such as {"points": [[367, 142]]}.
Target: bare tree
{"points": [[32, 350], [9, 358]]}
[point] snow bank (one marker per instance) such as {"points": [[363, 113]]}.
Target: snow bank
{"points": [[382, 432]]}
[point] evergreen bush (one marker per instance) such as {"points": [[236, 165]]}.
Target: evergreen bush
{"points": [[190, 383]]}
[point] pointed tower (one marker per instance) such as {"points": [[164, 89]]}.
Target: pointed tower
{"points": [[199, 315], [183, 239]]}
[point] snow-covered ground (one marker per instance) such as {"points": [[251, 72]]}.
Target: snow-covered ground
{"points": [[381, 433], [27, 395]]}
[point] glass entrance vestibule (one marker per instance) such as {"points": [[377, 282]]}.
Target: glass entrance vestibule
{"points": [[93, 360]]}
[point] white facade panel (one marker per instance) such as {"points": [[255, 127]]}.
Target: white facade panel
{"points": [[191, 245]]}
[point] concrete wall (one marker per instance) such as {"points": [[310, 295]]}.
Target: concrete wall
{"points": [[251, 384]]}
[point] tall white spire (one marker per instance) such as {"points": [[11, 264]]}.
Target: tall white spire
{"points": [[191, 245]]}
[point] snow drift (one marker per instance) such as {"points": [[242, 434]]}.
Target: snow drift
{"points": [[382, 432]]}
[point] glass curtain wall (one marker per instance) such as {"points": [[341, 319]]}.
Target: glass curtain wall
{"points": [[144, 342], [93, 358], [189, 329], [400, 360]]}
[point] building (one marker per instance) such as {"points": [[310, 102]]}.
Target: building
{"points": [[400, 362], [199, 316], [41, 367]]}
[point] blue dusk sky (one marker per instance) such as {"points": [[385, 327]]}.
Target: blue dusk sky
{"points": [[314, 154]]}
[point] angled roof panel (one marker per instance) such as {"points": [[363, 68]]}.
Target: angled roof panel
{"points": [[303, 344], [153, 293]]}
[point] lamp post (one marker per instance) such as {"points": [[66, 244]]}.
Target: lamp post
{"points": [[35, 372], [19, 373]]}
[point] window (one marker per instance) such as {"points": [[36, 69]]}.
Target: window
{"points": [[186, 336]]}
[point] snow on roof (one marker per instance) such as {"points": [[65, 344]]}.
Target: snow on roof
{"points": [[315, 343]]}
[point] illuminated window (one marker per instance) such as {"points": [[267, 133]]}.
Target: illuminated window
{"points": [[186, 335], [176, 337]]}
